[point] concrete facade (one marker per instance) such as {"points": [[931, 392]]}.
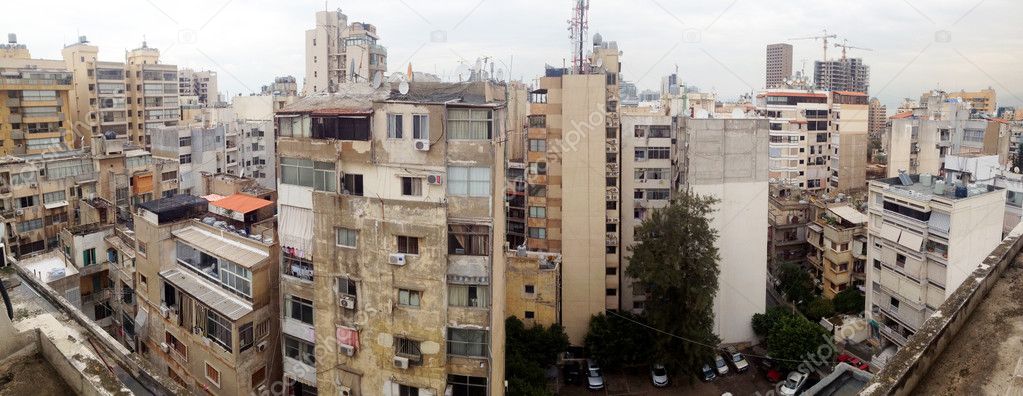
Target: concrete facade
{"points": [[337, 52], [36, 114], [153, 94], [779, 64]]}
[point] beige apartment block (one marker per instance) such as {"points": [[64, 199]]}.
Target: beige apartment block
{"points": [[207, 311], [152, 93], [35, 112], [838, 236], [99, 101], [339, 52], [982, 101], [199, 83], [392, 228], [877, 118]]}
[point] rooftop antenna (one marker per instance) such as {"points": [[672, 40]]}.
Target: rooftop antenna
{"points": [[378, 79], [577, 27]]}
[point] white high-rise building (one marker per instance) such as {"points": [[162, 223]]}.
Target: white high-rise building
{"points": [[338, 52]]}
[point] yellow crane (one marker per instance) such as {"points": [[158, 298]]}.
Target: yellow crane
{"points": [[845, 45], [824, 36]]}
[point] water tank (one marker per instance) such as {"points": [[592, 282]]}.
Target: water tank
{"points": [[925, 179], [939, 187]]}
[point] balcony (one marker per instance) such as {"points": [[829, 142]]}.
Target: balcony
{"points": [[893, 335]]}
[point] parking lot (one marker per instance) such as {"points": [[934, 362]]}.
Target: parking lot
{"points": [[638, 383]]}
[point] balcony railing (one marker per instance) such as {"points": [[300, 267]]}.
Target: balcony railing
{"points": [[893, 335]]}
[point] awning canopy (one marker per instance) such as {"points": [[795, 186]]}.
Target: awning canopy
{"points": [[296, 231], [55, 205], [849, 214], [222, 246], [211, 296]]}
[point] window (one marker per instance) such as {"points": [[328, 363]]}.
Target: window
{"points": [[877, 264], [538, 168], [408, 348], [176, 346], [185, 141], [467, 386], [537, 121], [236, 277], [25, 202], [469, 181], [394, 126], [218, 329], [611, 271], [89, 257], [299, 309], [537, 212], [346, 286], [895, 304], [611, 292], [973, 135], [529, 289], [412, 186], [258, 377], [472, 296], [468, 239], [347, 237], [245, 336], [475, 124], [900, 260], [55, 196], [467, 342], [299, 350], [537, 190], [409, 298], [352, 184], [537, 145], [420, 126], [212, 375], [185, 159], [296, 171], [324, 176], [30, 225], [408, 245], [538, 232], [405, 390]]}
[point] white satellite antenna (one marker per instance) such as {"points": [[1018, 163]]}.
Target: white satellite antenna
{"points": [[403, 87], [378, 79], [396, 76], [599, 62]]}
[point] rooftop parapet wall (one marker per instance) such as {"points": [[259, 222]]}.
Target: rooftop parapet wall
{"points": [[912, 363]]}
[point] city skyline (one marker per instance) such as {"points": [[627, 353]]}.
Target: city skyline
{"points": [[916, 47]]}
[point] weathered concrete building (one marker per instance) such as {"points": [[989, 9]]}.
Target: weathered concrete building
{"points": [[35, 114], [838, 237], [98, 97], [338, 52], [392, 232], [152, 93]]}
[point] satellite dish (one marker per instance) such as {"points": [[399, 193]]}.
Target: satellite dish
{"points": [[500, 74], [598, 62], [378, 79], [403, 87]]}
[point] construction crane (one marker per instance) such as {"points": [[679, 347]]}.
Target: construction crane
{"points": [[824, 36], [845, 45]]}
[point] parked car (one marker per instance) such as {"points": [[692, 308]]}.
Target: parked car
{"points": [[794, 383], [707, 373], [573, 372], [659, 375], [738, 362], [773, 375], [720, 365], [853, 361], [594, 377]]}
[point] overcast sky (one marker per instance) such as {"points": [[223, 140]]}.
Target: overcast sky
{"points": [[716, 45]]}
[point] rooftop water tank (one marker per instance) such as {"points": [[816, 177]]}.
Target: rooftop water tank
{"points": [[939, 187], [925, 179]]}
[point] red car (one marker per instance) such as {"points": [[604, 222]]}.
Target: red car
{"points": [[774, 375], [853, 361]]}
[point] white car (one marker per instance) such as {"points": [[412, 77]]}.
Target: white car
{"points": [[594, 377], [720, 365], [794, 383], [659, 375], [739, 362]]}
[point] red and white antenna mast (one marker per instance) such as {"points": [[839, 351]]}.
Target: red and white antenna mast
{"points": [[577, 27]]}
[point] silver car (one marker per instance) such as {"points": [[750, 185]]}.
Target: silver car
{"points": [[659, 375], [594, 376]]}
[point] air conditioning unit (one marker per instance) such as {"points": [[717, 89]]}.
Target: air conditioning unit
{"points": [[435, 179], [196, 330], [19, 212], [164, 347], [164, 311], [400, 362], [261, 346], [346, 302], [262, 390], [421, 144], [344, 390], [347, 349], [396, 259]]}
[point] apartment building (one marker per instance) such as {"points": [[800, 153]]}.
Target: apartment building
{"points": [[728, 159], [199, 150], [838, 235], [392, 231], [877, 118], [39, 195], [153, 91], [282, 86], [848, 128], [789, 213], [251, 118], [779, 64], [338, 52], [206, 281], [202, 84], [35, 115], [98, 97], [845, 74], [983, 101], [85, 248], [925, 237], [573, 149], [920, 139]]}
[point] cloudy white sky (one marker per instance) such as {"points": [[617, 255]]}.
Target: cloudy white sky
{"points": [[716, 45]]}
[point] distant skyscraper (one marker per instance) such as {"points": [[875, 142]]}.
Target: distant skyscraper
{"points": [[847, 74], [779, 64], [877, 116]]}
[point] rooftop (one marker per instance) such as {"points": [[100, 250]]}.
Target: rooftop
{"points": [[926, 189], [176, 207], [241, 203], [846, 380], [48, 267]]}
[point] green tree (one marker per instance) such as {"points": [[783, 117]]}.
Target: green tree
{"points": [[618, 340], [792, 339], [818, 308], [676, 261], [849, 301], [528, 351], [795, 283], [763, 323]]}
